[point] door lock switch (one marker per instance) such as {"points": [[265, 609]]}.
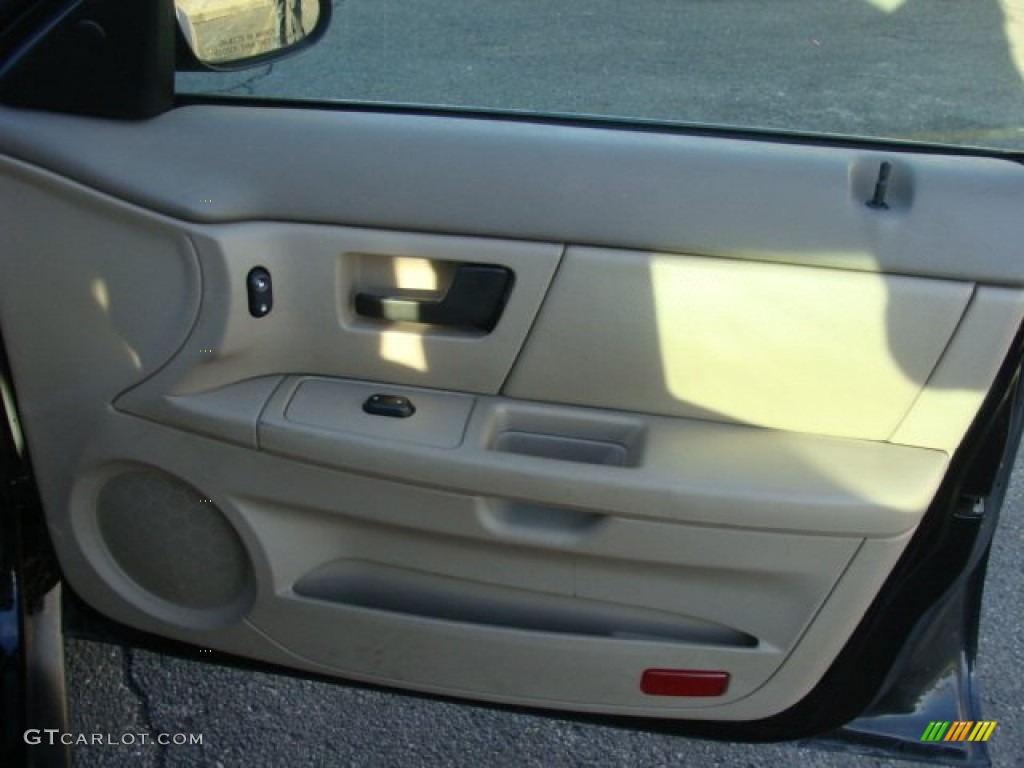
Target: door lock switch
{"points": [[260, 290], [395, 406]]}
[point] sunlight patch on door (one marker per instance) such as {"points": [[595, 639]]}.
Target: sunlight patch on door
{"points": [[404, 348], [798, 348], [413, 274], [101, 295], [887, 6], [1013, 26]]}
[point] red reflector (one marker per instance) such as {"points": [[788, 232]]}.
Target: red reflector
{"points": [[683, 682]]}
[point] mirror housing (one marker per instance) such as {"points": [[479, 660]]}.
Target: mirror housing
{"points": [[227, 35], [102, 58]]}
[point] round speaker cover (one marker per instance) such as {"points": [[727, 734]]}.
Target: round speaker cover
{"points": [[172, 541]]}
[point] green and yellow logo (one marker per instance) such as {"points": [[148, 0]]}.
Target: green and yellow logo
{"points": [[958, 730]]}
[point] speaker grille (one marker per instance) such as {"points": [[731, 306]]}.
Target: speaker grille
{"points": [[171, 541]]}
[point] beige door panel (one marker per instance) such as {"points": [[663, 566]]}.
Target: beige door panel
{"points": [[953, 394], [720, 398], [785, 347], [323, 548], [950, 217], [94, 299], [677, 470], [313, 327]]}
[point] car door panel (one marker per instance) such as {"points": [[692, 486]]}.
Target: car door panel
{"points": [[318, 330], [682, 471], [719, 399], [652, 190], [793, 348], [646, 593]]}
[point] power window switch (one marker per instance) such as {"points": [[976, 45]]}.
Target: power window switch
{"points": [[394, 406]]}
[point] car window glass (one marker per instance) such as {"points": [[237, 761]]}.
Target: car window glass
{"points": [[936, 71]]}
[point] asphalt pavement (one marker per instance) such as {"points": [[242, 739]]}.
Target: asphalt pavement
{"points": [[939, 70]]}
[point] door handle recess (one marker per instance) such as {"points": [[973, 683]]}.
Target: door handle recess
{"points": [[475, 299]]}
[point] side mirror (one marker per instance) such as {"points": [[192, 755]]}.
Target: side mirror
{"points": [[236, 34]]}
